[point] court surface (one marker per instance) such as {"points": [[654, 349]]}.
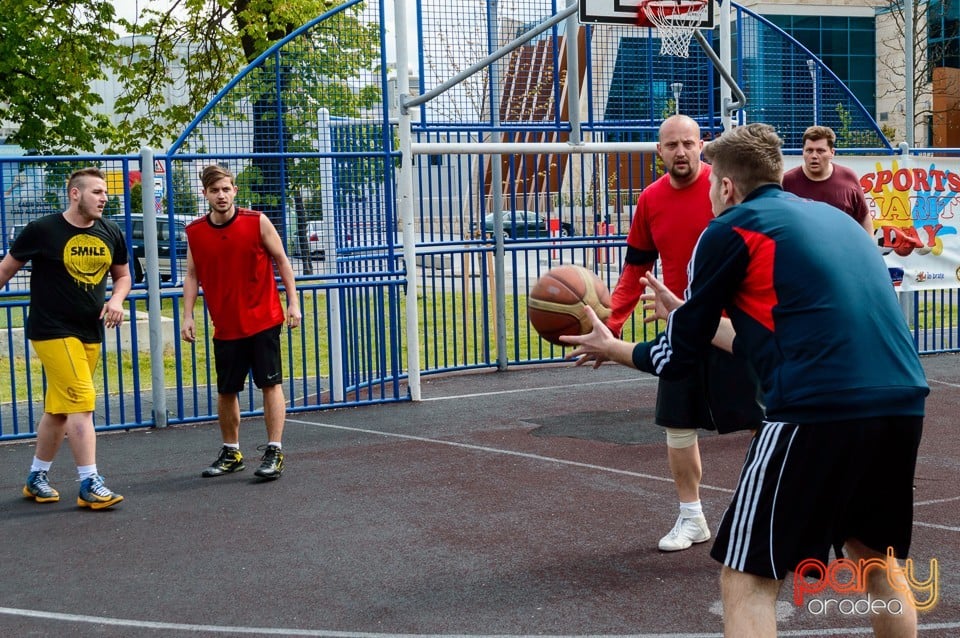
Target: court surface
{"points": [[526, 502]]}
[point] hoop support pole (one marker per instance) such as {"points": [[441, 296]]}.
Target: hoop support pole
{"points": [[741, 101]]}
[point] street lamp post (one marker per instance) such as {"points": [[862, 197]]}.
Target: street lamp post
{"points": [[677, 88], [813, 76]]}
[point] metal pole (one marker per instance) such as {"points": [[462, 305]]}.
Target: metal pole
{"points": [[907, 299], [325, 172], [573, 73], [535, 148], [405, 203], [151, 252], [908, 70], [496, 188], [725, 60], [728, 107]]}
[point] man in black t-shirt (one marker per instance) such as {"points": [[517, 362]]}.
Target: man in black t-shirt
{"points": [[72, 253]]}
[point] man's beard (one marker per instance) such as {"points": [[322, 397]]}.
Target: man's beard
{"points": [[88, 211], [681, 171]]}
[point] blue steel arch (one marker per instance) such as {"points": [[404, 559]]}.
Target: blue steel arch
{"points": [[272, 52], [354, 293], [783, 58], [222, 136]]}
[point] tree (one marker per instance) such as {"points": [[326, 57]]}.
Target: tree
{"points": [[197, 47], [201, 47], [190, 50], [47, 78], [931, 33]]}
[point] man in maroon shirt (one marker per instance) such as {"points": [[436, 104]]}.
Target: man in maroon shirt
{"points": [[819, 179]]}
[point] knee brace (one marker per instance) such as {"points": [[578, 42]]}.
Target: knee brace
{"points": [[680, 438]]}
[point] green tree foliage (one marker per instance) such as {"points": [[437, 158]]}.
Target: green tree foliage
{"points": [[169, 63], [196, 47], [50, 55], [281, 97], [185, 201]]}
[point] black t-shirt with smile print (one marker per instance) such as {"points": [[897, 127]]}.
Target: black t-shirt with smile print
{"points": [[68, 281]]}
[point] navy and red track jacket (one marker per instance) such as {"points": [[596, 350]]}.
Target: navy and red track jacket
{"points": [[814, 311]]}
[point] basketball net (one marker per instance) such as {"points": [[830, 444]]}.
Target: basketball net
{"points": [[675, 21]]}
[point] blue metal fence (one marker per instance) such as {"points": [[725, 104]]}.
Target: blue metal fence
{"points": [[327, 179]]}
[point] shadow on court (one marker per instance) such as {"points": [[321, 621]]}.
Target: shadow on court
{"points": [[528, 502]]}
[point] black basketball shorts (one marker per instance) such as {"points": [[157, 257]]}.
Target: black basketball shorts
{"points": [[720, 394], [806, 488], [259, 354]]}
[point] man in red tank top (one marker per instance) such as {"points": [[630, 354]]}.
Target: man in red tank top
{"points": [[231, 254]]}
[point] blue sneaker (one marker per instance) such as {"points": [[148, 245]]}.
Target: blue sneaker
{"points": [[39, 489], [95, 495]]}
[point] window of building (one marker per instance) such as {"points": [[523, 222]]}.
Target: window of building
{"points": [[847, 45], [943, 33]]}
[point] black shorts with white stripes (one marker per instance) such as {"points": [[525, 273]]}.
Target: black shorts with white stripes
{"points": [[806, 488]]}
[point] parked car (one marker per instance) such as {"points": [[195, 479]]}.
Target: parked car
{"points": [[522, 224], [168, 243], [12, 231], [20, 213], [317, 251]]}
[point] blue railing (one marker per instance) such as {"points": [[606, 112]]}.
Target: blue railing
{"points": [[329, 185]]}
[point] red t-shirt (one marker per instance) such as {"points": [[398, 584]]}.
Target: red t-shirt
{"points": [[667, 222], [841, 190], [236, 274]]}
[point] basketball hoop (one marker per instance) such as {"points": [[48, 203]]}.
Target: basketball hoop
{"points": [[675, 20]]}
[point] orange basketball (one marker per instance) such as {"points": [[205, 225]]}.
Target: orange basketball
{"points": [[556, 302]]}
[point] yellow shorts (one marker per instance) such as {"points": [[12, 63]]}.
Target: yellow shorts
{"points": [[68, 364]]}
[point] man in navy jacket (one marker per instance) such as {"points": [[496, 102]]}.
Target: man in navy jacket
{"points": [[811, 307]]}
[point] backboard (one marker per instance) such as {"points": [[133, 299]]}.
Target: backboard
{"points": [[624, 12]]}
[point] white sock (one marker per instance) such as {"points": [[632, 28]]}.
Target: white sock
{"points": [[275, 444], [86, 471], [40, 466], [691, 510], [232, 446]]}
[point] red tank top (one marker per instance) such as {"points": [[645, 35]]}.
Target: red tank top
{"points": [[236, 274]]}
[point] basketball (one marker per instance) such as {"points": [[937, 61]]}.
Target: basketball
{"points": [[556, 304]]}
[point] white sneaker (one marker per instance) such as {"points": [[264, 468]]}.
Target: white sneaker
{"points": [[685, 533]]}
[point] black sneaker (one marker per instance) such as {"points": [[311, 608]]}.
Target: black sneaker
{"points": [[271, 466], [230, 460]]}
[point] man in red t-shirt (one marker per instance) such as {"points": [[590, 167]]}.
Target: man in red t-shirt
{"points": [[231, 253], [821, 180], [671, 214]]}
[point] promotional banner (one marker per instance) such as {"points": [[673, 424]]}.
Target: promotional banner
{"points": [[914, 204]]}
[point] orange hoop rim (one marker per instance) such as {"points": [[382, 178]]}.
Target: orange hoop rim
{"points": [[667, 8]]}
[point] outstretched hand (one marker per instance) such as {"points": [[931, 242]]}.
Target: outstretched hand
{"points": [[598, 345], [661, 301]]}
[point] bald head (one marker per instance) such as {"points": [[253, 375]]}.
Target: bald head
{"points": [[679, 122]]}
